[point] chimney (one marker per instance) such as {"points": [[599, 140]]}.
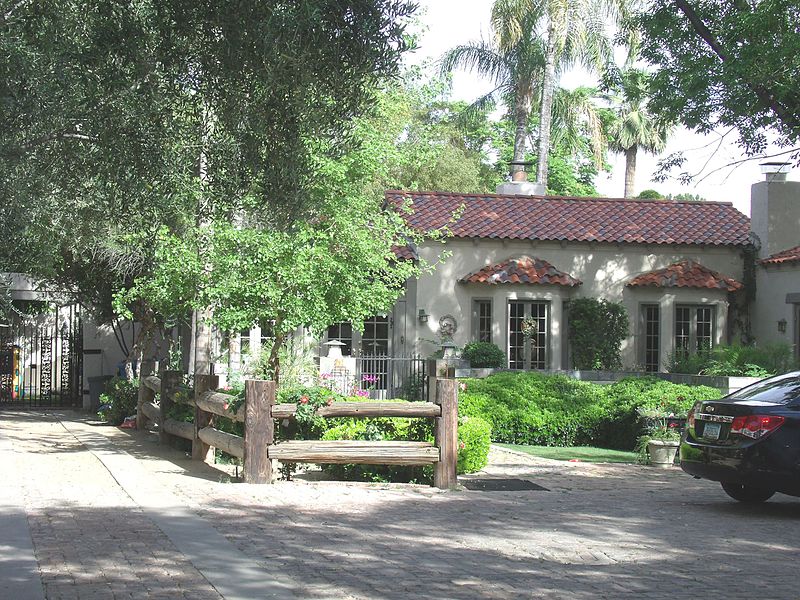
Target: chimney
{"points": [[775, 171], [519, 184], [775, 209]]}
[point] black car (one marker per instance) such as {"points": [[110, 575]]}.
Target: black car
{"points": [[749, 441]]}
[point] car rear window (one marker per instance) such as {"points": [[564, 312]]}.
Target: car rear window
{"points": [[782, 389]]}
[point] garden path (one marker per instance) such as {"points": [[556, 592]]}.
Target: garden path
{"points": [[113, 515]]}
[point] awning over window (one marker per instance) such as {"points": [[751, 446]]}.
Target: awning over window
{"points": [[524, 269], [686, 274]]}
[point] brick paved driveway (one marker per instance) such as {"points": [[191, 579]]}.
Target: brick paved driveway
{"points": [[600, 531]]}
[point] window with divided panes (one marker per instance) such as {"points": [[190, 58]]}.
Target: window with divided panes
{"points": [[482, 320], [527, 352], [694, 328], [342, 332], [651, 328]]}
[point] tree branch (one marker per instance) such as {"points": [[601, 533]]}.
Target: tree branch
{"points": [[45, 139], [10, 12], [765, 97]]}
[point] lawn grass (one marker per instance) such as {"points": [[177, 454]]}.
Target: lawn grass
{"points": [[581, 453]]}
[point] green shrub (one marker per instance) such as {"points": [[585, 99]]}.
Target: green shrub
{"points": [[688, 364], [474, 439], [751, 361], [596, 331], [736, 361], [554, 410], [627, 397], [484, 355], [378, 429], [120, 397]]}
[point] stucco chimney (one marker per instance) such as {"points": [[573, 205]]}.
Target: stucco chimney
{"points": [[519, 184], [775, 171], [775, 209]]}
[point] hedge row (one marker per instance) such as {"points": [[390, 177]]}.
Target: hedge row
{"points": [[554, 410]]}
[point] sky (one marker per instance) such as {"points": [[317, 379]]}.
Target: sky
{"points": [[453, 22]]}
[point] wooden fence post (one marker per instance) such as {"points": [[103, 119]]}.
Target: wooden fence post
{"points": [[445, 432], [169, 385], [259, 430], [145, 394], [202, 383]]}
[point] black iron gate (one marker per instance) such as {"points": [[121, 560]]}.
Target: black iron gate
{"points": [[41, 351]]}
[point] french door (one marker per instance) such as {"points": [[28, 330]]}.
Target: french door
{"points": [[527, 334]]}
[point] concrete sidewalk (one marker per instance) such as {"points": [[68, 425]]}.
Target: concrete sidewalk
{"points": [[113, 515]]}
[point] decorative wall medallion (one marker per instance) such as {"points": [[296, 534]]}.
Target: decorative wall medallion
{"points": [[448, 326]]}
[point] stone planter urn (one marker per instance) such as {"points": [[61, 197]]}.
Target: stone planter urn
{"points": [[662, 452]]}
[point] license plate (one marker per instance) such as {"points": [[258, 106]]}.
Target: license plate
{"points": [[711, 431]]}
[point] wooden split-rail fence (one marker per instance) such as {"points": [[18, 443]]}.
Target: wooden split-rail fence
{"points": [[257, 448]]}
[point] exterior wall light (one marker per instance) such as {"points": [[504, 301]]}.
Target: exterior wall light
{"points": [[782, 326], [423, 317]]}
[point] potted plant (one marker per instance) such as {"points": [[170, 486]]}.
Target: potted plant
{"points": [[661, 436]]}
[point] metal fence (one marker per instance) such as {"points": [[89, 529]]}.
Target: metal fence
{"points": [[41, 359], [383, 377]]}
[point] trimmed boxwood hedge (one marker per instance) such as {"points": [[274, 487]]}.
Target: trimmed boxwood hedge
{"points": [[554, 410]]}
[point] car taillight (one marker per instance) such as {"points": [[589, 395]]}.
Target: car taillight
{"points": [[755, 426]]}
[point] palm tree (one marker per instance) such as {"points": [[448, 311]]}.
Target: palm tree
{"points": [[576, 34], [633, 127], [577, 124], [515, 69]]}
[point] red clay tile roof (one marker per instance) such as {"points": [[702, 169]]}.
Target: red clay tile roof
{"points": [[521, 270], [576, 219], [784, 256], [406, 252], [687, 274]]}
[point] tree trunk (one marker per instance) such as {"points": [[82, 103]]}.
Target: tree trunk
{"points": [[630, 170], [521, 119], [274, 357], [545, 114], [200, 357]]}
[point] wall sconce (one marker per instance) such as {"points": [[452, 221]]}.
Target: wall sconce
{"points": [[423, 318], [782, 326]]}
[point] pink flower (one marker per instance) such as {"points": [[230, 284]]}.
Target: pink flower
{"points": [[461, 445], [225, 406], [329, 402], [303, 399]]}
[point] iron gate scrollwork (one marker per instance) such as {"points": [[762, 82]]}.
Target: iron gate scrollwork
{"points": [[41, 357]]}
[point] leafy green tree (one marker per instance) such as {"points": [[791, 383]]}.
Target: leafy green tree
{"points": [[573, 160], [120, 120], [634, 128], [729, 65], [650, 195], [426, 141], [685, 197]]}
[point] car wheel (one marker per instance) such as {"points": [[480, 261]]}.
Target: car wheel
{"points": [[747, 493]]}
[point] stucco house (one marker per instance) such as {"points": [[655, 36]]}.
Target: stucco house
{"points": [[775, 223], [678, 267]]}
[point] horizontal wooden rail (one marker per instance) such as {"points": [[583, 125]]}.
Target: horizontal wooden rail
{"points": [[217, 403], [356, 452], [180, 429], [153, 383], [227, 442], [365, 409]]}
